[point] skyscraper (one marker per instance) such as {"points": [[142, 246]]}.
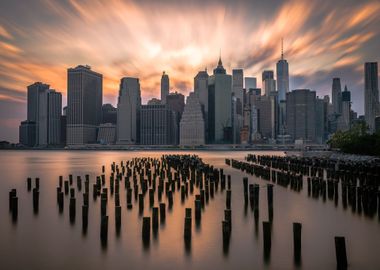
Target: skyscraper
{"points": [[344, 121], [300, 114], [192, 126], [109, 114], [201, 90], [237, 89], [282, 68], [250, 83], [54, 113], [157, 125], [268, 82], [164, 87], [219, 104], [84, 104], [371, 94], [128, 109], [336, 96], [320, 118], [32, 99], [44, 117], [237, 103]]}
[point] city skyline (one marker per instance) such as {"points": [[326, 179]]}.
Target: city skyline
{"points": [[315, 56]]}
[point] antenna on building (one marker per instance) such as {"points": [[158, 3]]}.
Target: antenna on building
{"points": [[282, 48]]}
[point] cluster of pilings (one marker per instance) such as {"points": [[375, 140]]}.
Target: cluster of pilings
{"points": [[286, 175], [355, 183], [157, 179]]}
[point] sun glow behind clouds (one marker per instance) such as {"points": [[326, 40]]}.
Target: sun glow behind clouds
{"points": [[143, 38]]}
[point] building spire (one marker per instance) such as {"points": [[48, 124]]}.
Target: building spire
{"points": [[220, 58], [282, 48]]}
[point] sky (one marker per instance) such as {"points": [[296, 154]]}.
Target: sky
{"points": [[40, 39]]}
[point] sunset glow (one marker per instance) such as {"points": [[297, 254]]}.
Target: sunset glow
{"points": [[40, 39]]}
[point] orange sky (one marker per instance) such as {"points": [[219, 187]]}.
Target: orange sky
{"points": [[40, 39]]}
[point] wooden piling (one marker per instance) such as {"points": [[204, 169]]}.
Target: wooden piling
{"points": [[297, 227], [340, 250]]}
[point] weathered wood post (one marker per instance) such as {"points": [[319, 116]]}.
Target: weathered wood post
{"points": [[36, 195], [29, 183], [228, 199], [267, 239], [118, 218], [84, 218], [340, 250], [187, 228], [155, 219], [146, 231], [162, 212], [104, 230], [270, 201], [297, 227], [72, 210]]}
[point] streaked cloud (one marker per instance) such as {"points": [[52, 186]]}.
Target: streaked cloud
{"points": [[40, 39]]}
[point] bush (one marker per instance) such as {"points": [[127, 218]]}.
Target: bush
{"points": [[357, 140]]}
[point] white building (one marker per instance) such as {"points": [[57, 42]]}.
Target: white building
{"points": [[128, 109], [192, 125]]}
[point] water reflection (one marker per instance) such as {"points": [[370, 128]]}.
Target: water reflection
{"points": [[168, 246]]}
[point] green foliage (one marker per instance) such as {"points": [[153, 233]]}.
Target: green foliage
{"points": [[357, 140]]}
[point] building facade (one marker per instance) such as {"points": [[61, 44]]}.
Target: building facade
{"points": [[300, 112], [336, 94], [371, 94], [84, 104], [128, 111], [164, 87], [158, 125], [219, 105], [268, 82], [192, 126]]}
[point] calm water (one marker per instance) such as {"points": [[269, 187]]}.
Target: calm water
{"points": [[49, 241]]}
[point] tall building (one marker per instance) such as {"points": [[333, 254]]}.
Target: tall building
{"points": [[268, 82], [157, 125], [300, 114], [371, 94], [27, 133], [44, 116], [109, 114], [201, 90], [237, 89], [54, 113], [336, 95], [192, 126], [250, 83], [282, 70], [219, 105], [107, 134], [344, 121], [164, 87], [320, 118], [176, 103], [128, 107], [266, 122], [33, 99], [84, 104], [237, 103]]}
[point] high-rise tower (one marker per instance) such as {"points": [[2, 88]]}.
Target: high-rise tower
{"points": [[371, 94], [164, 87], [84, 104], [128, 110]]}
